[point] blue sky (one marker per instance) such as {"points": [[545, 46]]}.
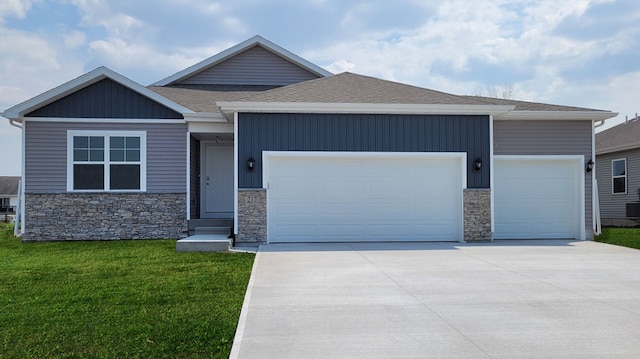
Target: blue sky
{"points": [[572, 52]]}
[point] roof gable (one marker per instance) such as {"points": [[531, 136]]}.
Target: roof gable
{"points": [[101, 73], [245, 63], [105, 99], [624, 136]]}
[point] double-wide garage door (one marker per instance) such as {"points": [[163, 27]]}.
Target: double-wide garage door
{"points": [[348, 197], [537, 197]]}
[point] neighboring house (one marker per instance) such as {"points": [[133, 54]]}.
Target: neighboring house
{"points": [[288, 152], [618, 173], [9, 194]]}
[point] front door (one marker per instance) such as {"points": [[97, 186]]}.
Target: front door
{"points": [[217, 181]]}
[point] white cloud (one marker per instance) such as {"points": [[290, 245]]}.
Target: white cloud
{"points": [[74, 39], [17, 8], [341, 66]]}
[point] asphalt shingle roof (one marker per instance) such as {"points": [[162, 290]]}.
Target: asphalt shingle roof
{"points": [[352, 88], [9, 185], [528, 106], [202, 98], [623, 136]]}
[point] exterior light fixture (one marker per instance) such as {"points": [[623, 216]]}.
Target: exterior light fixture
{"points": [[589, 167], [251, 164], [477, 165]]}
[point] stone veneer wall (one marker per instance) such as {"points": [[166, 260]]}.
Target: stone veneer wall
{"points": [[477, 214], [252, 215], [104, 216], [619, 222]]}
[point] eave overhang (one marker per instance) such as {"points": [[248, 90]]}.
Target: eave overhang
{"points": [[231, 107], [557, 115]]}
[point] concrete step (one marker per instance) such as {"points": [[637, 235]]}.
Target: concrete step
{"points": [[204, 243], [213, 230], [210, 222]]}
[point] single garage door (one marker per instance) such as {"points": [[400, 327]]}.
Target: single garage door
{"points": [[537, 198], [351, 197]]}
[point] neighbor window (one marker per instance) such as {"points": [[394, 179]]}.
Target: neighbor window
{"points": [[619, 175], [106, 161]]}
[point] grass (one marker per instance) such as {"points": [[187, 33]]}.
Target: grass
{"points": [[117, 299], [627, 237]]}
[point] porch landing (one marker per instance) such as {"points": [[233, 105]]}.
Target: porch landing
{"points": [[207, 235]]}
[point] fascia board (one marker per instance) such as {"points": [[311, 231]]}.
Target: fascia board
{"points": [[626, 147], [204, 117], [289, 107], [256, 40], [557, 115], [91, 77]]}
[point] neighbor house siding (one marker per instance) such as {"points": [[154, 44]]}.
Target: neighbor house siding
{"points": [[360, 133], [547, 138], [46, 154], [614, 205], [105, 99], [256, 66]]}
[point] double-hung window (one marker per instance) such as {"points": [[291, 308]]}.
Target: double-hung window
{"points": [[619, 175], [100, 161]]}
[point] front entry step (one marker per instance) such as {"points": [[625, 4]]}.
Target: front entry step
{"points": [[210, 242]]}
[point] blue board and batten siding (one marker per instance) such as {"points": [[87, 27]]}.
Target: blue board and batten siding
{"points": [[105, 99], [259, 132], [256, 66], [46, 154]]}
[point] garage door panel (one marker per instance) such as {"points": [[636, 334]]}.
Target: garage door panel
{"points": [[536, 198], [367, 199]]}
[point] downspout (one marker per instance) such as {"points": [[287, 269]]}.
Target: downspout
{"points": [[595, 195], [20, 210]]}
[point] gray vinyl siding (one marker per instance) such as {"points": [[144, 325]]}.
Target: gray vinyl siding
{"points": [[547, 138], [614, 205], [255, 66], [357, 132], [105, 99], [46, 154]]}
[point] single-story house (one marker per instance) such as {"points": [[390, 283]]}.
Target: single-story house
{"points": [[9, 186], [618, 173], [285, 151]]}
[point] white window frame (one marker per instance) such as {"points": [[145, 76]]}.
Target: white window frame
{"points": [[613, 177], [106, 135]]}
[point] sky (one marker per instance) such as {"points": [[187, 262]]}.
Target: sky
{"points": [[571, 52]]}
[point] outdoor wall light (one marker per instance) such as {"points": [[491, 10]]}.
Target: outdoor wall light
{"points": [[251, 164], [477, 165], [590, 166]]}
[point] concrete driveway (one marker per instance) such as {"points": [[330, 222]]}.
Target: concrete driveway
{"points": [[506, 299]]}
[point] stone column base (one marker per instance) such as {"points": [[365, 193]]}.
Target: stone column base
{"points": [[477, 215], [252, 215]]}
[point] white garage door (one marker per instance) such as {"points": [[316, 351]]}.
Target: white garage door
{"points": [[537, 198], [350, 197]]}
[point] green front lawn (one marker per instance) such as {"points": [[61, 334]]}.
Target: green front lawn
{"points": [[118, 299], [628, 237]]}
